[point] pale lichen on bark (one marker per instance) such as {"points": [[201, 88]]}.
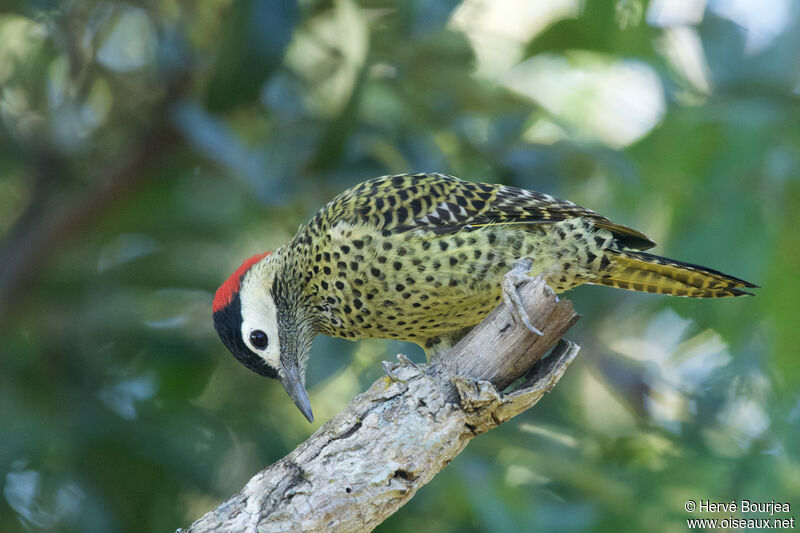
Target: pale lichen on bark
{"points": [[370, 459]]}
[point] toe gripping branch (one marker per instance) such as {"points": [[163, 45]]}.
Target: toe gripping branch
{"points": [[389, 368], [511, 296], [495, 351]]}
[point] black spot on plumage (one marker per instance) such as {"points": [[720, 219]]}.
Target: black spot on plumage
{"points": [[326, 270], [387, 245], [590, 257], [359, 244], [339, 285], [478, 204], [402, 214], [604, 262], [381, 259], [397, 265], [443, 245]]}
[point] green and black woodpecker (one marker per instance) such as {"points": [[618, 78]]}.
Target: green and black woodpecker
{"points": [[421, 257]]}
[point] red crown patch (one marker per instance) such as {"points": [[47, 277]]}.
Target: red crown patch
{"points": [[232, 285]]}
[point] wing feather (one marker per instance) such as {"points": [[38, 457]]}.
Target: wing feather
{"points": [[445, 204]]}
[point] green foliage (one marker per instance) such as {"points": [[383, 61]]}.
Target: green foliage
{"points": [[147, 148]]}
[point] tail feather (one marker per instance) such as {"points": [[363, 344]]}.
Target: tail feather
{"points": [[640, 271]]}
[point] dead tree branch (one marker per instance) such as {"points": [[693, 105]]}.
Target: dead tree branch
{"points": [[369, 460]]}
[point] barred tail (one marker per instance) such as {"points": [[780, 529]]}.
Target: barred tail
{"points": [[640, 271]]}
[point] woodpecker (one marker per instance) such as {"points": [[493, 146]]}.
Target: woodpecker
{"points": [[423, 257]]}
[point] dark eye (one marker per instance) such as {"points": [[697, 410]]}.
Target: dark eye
{"points": [[259, 339]]}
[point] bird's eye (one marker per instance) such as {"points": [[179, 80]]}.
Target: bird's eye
{"points": [[259, 339]]}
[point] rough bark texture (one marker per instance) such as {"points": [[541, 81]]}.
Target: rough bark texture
{"points": [[370, 459]]}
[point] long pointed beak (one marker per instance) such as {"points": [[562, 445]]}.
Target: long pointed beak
{"points": [[294, 387]]}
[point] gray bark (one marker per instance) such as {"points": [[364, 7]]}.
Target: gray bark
{"points": [[370, 459]]}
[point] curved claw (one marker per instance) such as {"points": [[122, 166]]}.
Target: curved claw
{"points": [[517, 275], [403, 358], [389, 367]]}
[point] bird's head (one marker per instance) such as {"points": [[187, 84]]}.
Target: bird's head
{"points": [[250, 324]]}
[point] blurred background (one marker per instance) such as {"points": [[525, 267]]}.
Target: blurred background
{"points": [[147, 148]]}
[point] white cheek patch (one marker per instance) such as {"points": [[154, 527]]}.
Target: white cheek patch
{"points": [[258, 313]]}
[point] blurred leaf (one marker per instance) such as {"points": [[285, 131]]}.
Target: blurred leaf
{"points": [[255, 37], [597, 28], [775, 69]]}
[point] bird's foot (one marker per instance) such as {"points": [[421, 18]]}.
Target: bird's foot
{"points": [[514, 278], [389, 367], [403, 358]]}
